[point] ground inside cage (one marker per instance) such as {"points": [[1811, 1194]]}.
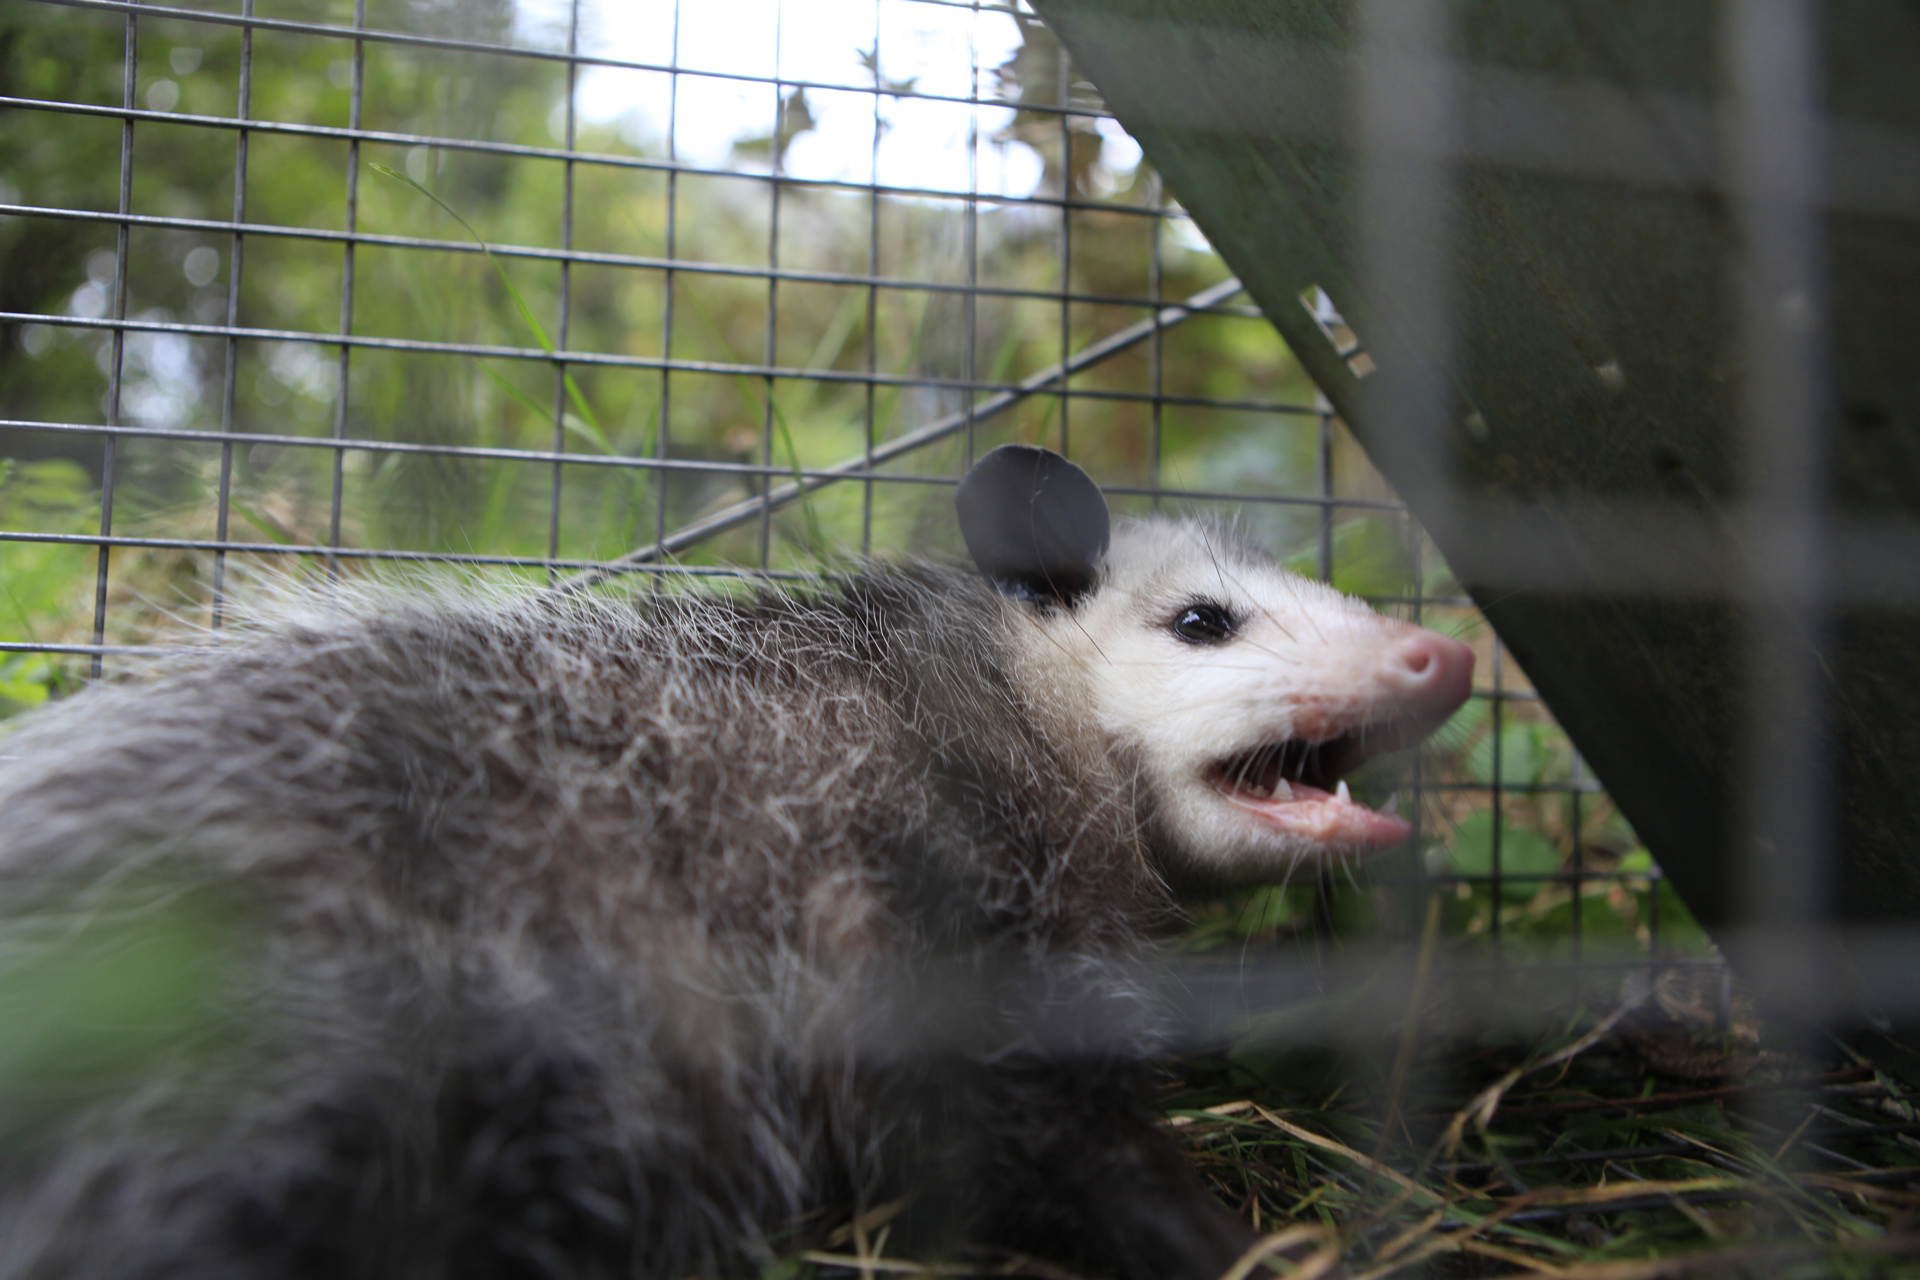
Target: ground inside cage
{"points": [[1623, 1137]]}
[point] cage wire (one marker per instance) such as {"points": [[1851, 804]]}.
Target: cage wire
{"points": [[586, 298]]}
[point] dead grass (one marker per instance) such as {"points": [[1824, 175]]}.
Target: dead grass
{"points": [[1562, 1154]]}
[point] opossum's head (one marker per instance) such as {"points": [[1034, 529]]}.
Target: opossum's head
{"points": [[1246, 691]]}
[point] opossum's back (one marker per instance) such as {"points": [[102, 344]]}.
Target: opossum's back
{"points": [[475, 763]]}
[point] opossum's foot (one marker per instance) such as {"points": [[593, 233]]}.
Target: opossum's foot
{"points": [[1150, 1218], [1063, 1162]]}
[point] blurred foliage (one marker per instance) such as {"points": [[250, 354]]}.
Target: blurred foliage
{"points": [[461, 505], [104, 988]]}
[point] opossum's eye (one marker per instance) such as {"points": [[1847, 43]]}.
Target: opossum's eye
{"points": [[1203, 624]]}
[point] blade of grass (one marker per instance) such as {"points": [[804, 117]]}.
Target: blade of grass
{"points": [[889, 398], [259, 522], [587, 431], [815, 534], [493, 511], [1365, 1162], [833, 339], [759, 401], [1046, 420], [574, 393], [1288, 1242]]}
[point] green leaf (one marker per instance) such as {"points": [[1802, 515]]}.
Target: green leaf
{"points": [[1369, 557], [1600, 924], [1679, 931], [1522, 853], [1527, 754], [28, 679]]}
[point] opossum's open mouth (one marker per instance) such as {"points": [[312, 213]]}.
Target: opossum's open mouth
{"points": [[1296, 786]]}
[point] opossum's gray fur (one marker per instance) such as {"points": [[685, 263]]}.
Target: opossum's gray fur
{"points": [[590, 939], [415, 937]]}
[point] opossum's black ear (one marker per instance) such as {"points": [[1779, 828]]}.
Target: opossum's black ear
{"points": [[1035, 524]]}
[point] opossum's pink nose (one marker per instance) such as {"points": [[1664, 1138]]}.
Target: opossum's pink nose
{"points": [[1432, 674]]}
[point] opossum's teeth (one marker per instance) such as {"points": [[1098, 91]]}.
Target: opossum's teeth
{"points": [[1279, 771], [1302, 762], [1286, 786], [1258, 773]]}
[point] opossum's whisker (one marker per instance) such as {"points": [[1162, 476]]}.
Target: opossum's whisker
{"points": [[1269, 651], [1220, 569], [1275, 618], [1081, 627], [1056, 642]]}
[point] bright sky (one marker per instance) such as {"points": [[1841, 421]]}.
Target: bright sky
{"points": [[924, 144]]}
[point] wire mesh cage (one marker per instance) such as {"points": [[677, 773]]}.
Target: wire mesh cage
{"points": [[606, 297], [534, 293]]}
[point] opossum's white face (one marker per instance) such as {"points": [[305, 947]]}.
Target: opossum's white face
{"points": [[1248, 692]]}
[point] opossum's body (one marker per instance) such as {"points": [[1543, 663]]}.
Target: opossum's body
{"points": [[580, 939]]}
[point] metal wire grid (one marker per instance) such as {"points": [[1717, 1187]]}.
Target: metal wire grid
{"points": [[998, 395], [983, 398]]}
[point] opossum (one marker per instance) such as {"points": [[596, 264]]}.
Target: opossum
{"points": [[578, 938]]}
